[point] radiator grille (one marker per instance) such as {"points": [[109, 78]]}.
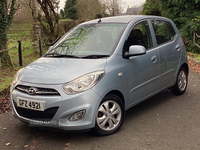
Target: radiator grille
{"points": [[37, 91]]}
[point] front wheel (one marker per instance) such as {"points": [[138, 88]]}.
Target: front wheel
{"points": [[110, 115], [181, 82]]}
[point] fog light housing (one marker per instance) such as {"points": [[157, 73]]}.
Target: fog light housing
{"points": [[77, 115]]}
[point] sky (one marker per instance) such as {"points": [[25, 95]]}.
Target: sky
{"points": [[126, 3], [132, 3]]}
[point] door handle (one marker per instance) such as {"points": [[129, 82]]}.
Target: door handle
{"points": [[178, 47], [154, 59]]}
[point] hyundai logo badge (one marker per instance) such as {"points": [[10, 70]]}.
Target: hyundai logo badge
{"points": [[32, 90]]}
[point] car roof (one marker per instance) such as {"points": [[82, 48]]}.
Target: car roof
{"points": [[123, 19]]}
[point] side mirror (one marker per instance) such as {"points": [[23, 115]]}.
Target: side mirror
{"points": [[135, 50]]}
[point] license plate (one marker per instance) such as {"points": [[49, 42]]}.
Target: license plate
{"points": [[29, 104]]}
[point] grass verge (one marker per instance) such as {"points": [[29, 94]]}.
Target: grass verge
{"points": [[60, 20], [194, 55], [28, 56]]}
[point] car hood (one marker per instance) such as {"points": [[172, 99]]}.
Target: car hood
{"points": [[59, 70]]}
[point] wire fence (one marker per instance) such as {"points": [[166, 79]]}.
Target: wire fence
{"points": [[1, 51], [26, 38], [14, 35], [22, 35]]}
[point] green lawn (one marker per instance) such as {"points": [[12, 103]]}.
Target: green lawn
{"points": [[28, 56], [64, 20], [24, 33]]}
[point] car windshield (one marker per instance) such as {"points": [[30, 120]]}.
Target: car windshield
{"points": [[87, 41]]}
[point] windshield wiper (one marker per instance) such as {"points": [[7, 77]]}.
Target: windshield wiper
{"points": [[61, 56], [74, 56], [95, 56]]}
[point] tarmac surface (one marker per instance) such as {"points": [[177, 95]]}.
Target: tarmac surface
{"points": [[163, 122]]}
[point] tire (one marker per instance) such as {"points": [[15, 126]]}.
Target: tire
{"points": [[110, 115], [181, 82]]}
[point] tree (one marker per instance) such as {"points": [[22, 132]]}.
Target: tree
{"points": [[49, 25], [152, 7], [89, 9], [182, 12], [62, 13], [70, 10], [29, 12], [114, 7], [6, 17], [36, 25]]}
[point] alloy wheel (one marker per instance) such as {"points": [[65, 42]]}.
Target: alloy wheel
{"points": [[109, 115], [182, 80]]}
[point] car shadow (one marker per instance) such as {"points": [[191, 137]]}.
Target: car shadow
{"points": [[149, 104], [50, 134]]}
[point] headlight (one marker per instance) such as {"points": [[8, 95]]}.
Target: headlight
{"points": [[15, 79], [83, 83]]}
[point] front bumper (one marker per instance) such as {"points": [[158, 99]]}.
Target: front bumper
{"points": [[57, 109]]}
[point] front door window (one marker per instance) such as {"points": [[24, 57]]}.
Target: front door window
{"points": [[140, 35]]}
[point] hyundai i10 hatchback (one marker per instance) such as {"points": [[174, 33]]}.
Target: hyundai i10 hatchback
{"points": [[98, 70]]}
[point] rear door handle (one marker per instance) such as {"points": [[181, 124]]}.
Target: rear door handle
{"points": [[154, 59], [178, 47]]}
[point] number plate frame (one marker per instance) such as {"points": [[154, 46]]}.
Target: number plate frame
{"points": [[30, 104]]}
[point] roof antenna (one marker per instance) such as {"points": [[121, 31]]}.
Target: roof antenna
{"points": [[99, 20]]}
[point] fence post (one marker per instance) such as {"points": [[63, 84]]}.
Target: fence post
{"points": [[20, 53], [40, 45]]}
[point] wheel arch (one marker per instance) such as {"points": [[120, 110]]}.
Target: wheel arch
{"points": [[185, 65], [113, 96], [117, 93]]}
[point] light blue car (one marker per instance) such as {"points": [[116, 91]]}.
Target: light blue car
{"points": [[97, 71]]}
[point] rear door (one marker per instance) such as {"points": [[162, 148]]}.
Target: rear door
{"points": [[169, 51]]}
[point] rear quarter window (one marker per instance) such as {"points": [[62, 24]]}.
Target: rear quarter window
{"points": [[163, 30]]}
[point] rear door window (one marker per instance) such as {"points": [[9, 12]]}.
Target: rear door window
{"points": [[164, 31]]}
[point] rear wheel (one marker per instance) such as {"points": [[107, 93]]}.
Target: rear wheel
{"points": [[181, 82], [110, 115]]}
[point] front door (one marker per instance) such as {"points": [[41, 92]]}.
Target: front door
{"points": [[143, 70]]}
